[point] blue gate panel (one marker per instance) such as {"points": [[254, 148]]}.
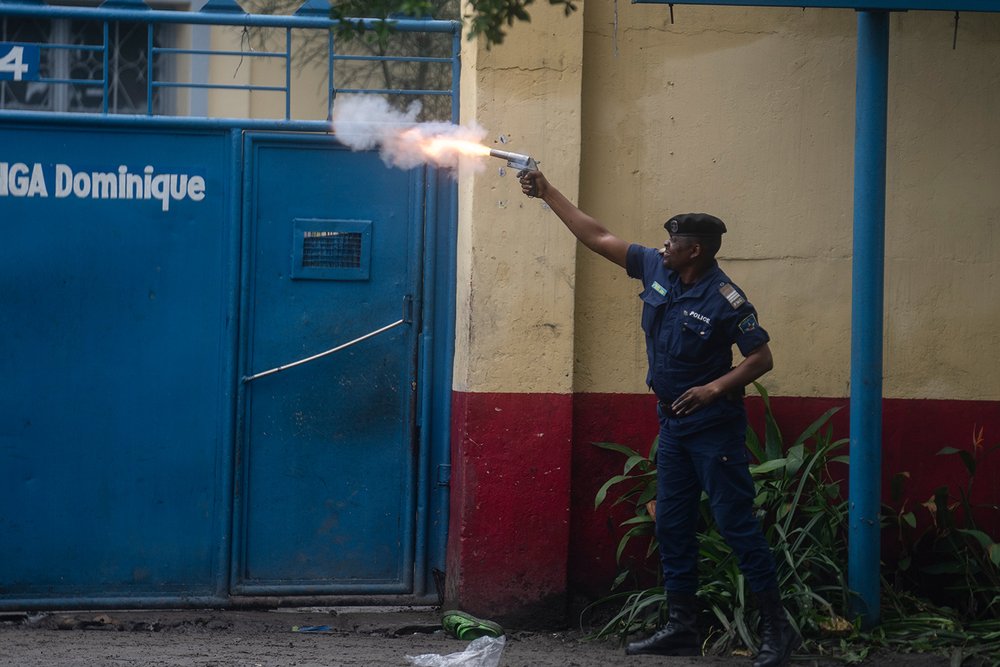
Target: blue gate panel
{"points": [[329, 447], [116, 341]]}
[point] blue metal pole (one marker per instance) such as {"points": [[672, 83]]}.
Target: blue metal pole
{"points": [[446, 263], [866, 313], [288, 73], [150, 57], [107, 71]]}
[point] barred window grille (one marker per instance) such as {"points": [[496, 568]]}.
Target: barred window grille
{"points": [[128, 66], [159, 64], [331, 250]]}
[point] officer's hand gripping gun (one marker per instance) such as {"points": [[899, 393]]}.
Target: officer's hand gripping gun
{"points": [[523, 163]]}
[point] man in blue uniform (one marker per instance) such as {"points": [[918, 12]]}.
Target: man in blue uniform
{"points": [[692, 315]]}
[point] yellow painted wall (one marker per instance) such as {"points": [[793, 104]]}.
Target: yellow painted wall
{"points": [[229, 70], [308, 81], [516, 270], [748, 114]]}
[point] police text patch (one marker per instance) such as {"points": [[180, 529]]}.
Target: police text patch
{"points": [[734, 298], [748, 323]]}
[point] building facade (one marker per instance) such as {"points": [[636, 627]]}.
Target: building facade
{"points": [[638, 112]]}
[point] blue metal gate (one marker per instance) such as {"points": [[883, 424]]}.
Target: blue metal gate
{"points": [[155, 275], [332, 254], [115, 324]]}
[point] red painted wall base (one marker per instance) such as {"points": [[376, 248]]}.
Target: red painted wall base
{"points": [[508, 532], [913, 432], [523, 528]]}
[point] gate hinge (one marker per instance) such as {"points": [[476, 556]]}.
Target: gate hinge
{"points": [[444, 475]]}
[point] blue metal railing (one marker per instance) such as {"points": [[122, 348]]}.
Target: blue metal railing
{"points": [[137, 13]]}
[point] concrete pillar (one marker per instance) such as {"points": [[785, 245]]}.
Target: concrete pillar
{"points": [[512, 400]]}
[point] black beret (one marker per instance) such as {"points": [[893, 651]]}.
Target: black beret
{"points": [[695, 224]]}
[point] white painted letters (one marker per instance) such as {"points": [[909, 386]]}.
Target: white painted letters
{"points": [[64, 181], [19, 179]]}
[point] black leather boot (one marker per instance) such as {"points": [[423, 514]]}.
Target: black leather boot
{"points": [[777, 636], [679, 636]]}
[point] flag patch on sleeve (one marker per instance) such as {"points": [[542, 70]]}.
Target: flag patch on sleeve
{"points": [[734, 298], [748, 323]]}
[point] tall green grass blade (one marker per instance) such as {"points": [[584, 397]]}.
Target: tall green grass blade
{"points": [[602, 492], [800, 500], [636, 460], [768, 466], [615, 447], [753, 444], [815, 426]]}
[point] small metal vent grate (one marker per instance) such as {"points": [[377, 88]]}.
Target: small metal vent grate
{"points": [[331, 250]]}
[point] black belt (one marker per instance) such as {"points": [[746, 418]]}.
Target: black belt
{"points": [[667, 411]]}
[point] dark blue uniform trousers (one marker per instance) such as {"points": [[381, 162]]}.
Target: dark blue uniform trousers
{"points": [[714, 459]]}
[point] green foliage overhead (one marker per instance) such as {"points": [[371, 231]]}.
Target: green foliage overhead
{"points": [[340, 10], [488, 18]]}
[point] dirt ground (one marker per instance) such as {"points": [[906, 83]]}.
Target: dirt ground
{"points": [[368, 637]]}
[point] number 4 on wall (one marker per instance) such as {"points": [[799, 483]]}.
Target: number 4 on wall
{"points": [[18, 62]]}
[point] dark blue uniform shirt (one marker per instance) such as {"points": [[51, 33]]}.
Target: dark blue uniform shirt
{"points": [[690, 333]]}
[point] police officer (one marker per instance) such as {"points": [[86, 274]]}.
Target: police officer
{"points": [[692, 315]]}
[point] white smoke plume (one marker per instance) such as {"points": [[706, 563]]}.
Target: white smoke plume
{"points": [[364, 122]]}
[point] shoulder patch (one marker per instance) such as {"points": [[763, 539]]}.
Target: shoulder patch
{"points": [[732, 296], [659, 288], [748, 323]]}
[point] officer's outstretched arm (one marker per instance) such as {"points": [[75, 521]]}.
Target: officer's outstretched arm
{"points": [[590, 232], [752, 367]]}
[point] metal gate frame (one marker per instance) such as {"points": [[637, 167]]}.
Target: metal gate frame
{"points": [[435, 348], [410, 311]]}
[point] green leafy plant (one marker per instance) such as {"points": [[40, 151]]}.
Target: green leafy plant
{"points": [[800, 505], [803, 511], [385, 11], [489, 16], [942, 594], [640, 472], [949, 556]]}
